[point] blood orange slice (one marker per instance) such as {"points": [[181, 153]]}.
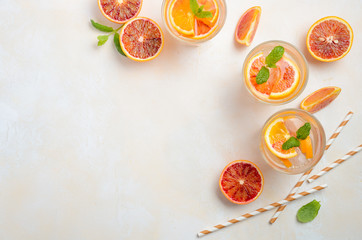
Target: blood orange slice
{"points": [[241, 182], [329, 39], [253, 68], [319, 99], [288, 81], [141, 39], [247, 25], [120, 11]]}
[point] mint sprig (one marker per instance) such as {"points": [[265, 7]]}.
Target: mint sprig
{"points": [[263, 75], [302, 133], [308, 212], [102, 39], [198, 11], [273, 57], [291, 142]]}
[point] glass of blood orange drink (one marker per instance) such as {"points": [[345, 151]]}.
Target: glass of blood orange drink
{"points": [[194, 21], [292, 141], [275, 72]]}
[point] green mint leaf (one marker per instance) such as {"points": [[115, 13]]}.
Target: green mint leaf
{"points": [[117, 44], [101, 27], [200, 9], [308, 212], [274, 56], [303, 131], [204, 14], [291, 142], [262, 75], [102, 39], [194, 6]]}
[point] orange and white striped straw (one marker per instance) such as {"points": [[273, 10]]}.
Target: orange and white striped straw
{"points": [[260, 210], [338, 130], [335, 164], [306, 174]]}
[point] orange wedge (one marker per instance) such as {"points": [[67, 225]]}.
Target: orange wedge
{"points": [[275, 135], [286, 162], [329, 39], [247, 25], [306, 147], [319, 99]]}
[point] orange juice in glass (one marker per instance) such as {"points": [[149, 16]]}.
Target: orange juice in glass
{"points": [[194, 21], [292, 141], [284, 79]]}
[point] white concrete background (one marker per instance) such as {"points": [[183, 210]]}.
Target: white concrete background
{"points": [[95, 146]]}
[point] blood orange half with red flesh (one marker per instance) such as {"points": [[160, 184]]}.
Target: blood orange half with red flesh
{"points": [[141, 39], [120, 11], [329, 39], [241, 182]]}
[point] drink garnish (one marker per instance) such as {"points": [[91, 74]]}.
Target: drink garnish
{"points": [[308, 212], [263, 75], [273, 57], [302, 133], [198, 10], [291, 142], [102, 39]]}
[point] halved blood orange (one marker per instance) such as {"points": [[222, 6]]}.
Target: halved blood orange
{"points": [[184, 21], [319, 99], [241, 182], [275, 135], [288, 81], [141, 39], [247, 25], [329, 39], [253, 69], [120, 11]]}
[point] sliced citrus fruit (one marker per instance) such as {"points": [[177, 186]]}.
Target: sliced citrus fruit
{"points": [[288, 81], [329, 39], [286, 162], [275, 135], [247, 25], [253, 68], [181, 17], [319, 99], [306, 147], [184, 21], [241, 182], [141, 39], [211, 6], [120, 11]]}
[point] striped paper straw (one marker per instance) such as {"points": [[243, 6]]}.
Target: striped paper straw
{"points": [[260, 210], [338, 130], [292, 192], [306, 174], [335, 164]]}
